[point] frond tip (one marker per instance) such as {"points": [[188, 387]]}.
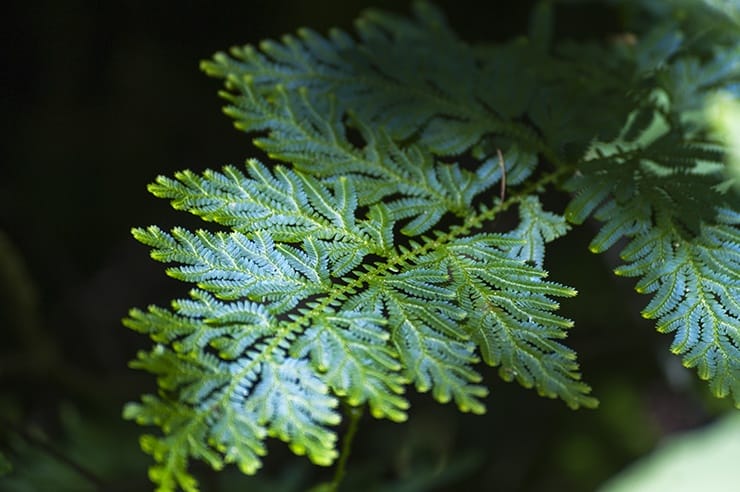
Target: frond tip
{"points": [[510, 318], [696, 295]]}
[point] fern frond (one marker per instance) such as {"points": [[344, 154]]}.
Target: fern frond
{"points": [[510, 318], [310, 297], [316, 142], [689, 79], [665, 197], [233, 266], [351, 351], [273, 319], [536, 228], [423, 188], [666, 174], [695, 285], [289, 205], [385, 76], [424, 322]]}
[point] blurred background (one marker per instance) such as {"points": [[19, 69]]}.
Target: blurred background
{"points": [[98, 99]]}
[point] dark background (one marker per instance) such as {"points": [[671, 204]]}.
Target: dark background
{"points": [[99, 98]]}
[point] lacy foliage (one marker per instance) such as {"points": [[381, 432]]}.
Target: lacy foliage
{"points": [[369, 261]]}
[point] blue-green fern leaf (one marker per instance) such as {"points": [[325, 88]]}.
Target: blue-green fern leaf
{"points": [[280, 314], [317, 144], [511, 319], [536, 228], [659, 186], [436, 353], [351, 350], [371, 260], [695, 285], [412, 77], [385, 75]]}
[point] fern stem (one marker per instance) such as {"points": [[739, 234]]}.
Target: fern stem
{"points": [[355, 414]]}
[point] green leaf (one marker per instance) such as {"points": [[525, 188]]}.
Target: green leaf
{"points": [[510, 318], [696, 291], [381, 253], [664, 196], [536, 228]]}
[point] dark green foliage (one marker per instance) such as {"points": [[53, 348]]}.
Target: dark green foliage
{"points": [[372, 258]]}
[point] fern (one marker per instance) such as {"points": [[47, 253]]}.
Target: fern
{"points": [[274, 304], [373, 259]]}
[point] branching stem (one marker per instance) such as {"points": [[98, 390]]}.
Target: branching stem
{"points": [[355, 415]]}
